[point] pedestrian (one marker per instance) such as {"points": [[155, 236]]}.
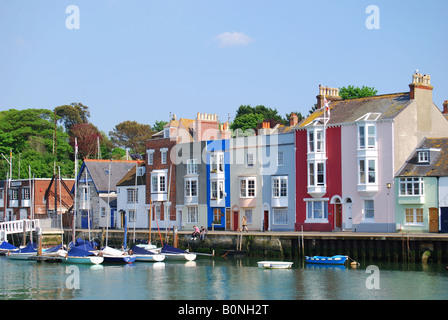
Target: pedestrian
{"points": [[244, 223], [203, 232], [195, 233]]}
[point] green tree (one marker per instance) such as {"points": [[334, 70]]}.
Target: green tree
{"points": [[248, 117], [352, 92], [131, 134], [73, 113], [158, 125]]}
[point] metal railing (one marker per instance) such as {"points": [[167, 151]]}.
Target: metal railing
{"points": [[17, 226]]}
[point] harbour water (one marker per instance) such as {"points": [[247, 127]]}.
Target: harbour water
{"points": [[221, 279]]}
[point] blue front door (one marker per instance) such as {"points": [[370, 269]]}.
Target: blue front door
{"points": [[444, 219], [112, 217]]}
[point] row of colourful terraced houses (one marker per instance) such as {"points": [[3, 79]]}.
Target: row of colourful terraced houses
{"points": [[375, 164]]}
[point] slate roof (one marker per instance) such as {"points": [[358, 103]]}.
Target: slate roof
{"points": [[386, 106], [129, 178], [98, 172], [438, 160]]}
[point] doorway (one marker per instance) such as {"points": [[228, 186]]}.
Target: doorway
{"points": [[348, 214], [434, 220], [444, 219], [266, 221], [338, 215], [235, 220], [228, 219]]}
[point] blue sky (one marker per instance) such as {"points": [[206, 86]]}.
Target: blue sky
{"points": [[141, 60]]}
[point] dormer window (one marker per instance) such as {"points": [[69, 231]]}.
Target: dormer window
{"points": [[423, 156], [166, 132]]}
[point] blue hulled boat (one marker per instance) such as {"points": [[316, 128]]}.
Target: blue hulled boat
{"points": [[336, 260]]}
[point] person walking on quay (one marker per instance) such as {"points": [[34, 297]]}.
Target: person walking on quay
{"points": [[202, 233], [244, 224]]}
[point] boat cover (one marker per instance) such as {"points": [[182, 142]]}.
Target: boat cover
{"points": [[79, 252], [7, 246], [54, 249], [85, 245], [30, 247], [112, 252], [138, 250], [169, 249]]}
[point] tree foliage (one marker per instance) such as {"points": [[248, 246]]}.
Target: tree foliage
{"points": [[29, 135], [131, 134], [72, 114], [87, 136], [352, 92]]}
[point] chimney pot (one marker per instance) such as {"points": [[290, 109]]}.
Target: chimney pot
{"points": [[445, 107], [293, 120]]}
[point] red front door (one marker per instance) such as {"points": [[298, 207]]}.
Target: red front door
{"points": [[266, 220], [235, 220]]}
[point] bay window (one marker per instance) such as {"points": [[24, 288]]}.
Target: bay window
{"points": [[247, 187]]}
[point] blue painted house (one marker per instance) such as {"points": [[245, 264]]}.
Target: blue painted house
{"points": [[278, 174], [218, 184]]}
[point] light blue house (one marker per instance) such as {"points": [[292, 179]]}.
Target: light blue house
{"points": [[218, 184], [278, 176]]}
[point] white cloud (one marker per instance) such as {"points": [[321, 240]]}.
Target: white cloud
{"points": [[233, 39]]}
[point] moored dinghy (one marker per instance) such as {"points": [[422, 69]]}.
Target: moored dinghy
{"points": [[111, 255], [24, 253], [146, 256], [337, 260], [81, 256], [172, 253], [5, 247], [275, 264]]}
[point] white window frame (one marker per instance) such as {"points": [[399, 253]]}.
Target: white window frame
{"points": [[315, 175], [316, 140], [132, 195], [368, 212], [416, 213], [192, 214], [246, 187], [192, 166], [250, 160], [249, 215], [150, 154], [131, 215], [217, 162], [26, 193], [423, 156], [279, 186], [191, 187], [280, 158], [279, 216], [413, 184], [365, 173], [312, 210], [158, 182], [163, 155], [367, 138]]}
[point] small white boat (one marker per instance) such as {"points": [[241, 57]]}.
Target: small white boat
{"points": [[6, 247], [146, 256], [24, 253], [172, 253], [57, 251], [275, 264], [80, 256], [112, 255]]}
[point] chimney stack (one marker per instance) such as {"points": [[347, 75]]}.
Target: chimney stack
{"points": [[293, 120], [419, 81], [331, 94], [445, 107]]}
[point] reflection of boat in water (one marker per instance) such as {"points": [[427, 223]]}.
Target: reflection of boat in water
{"points": [[334, 260], [275, 264], [144, 255], [24, 253]]}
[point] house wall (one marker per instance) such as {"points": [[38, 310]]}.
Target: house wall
{"points": [[384, 219], [184, 152], [122, 204], [221, 145], [168, 208], [429, 200], [239, 148], [271, 146]]}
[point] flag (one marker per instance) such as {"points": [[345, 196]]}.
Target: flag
{"points": [[327, 106], [76, 146]]}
